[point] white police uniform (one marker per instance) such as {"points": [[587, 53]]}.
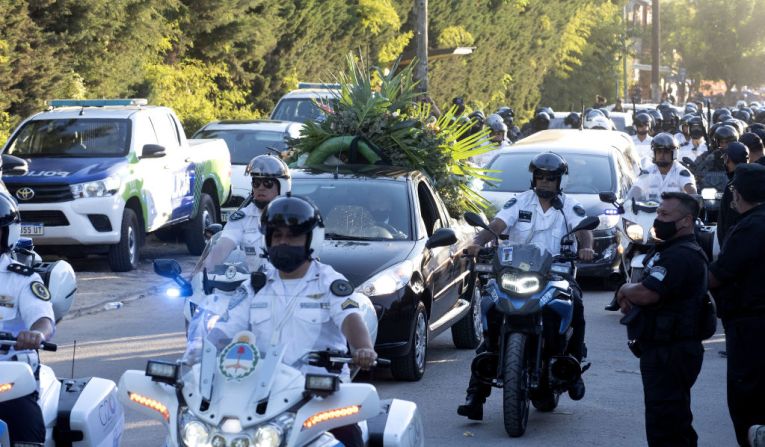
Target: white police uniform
{"points": [[307, 314], [691, 151], [527, 223], [652, 183], [681, 140], [24, 299], [243, 229]]}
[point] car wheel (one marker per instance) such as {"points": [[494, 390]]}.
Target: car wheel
{"points": [[195, 229], [411, 367], [124, 255], [468, 332]]}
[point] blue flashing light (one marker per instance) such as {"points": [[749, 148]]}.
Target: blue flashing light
{"points": [[611, 212], [172, 292], [97, 102]]}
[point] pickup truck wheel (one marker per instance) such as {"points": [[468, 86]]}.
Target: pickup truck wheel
{"points": [[195, 229], [411, 367], [124, 255], [468, 332]]}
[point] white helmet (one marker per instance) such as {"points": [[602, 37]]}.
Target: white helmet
{"points": [[10, 227], [596, 121], [268, 166]]}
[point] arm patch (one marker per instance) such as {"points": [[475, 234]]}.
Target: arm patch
{"points": [[341, 287], [510, 203], [237, 215], [579, 210], [39, 290], [21, 269]]}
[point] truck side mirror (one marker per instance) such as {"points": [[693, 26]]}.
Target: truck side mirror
{"points": [[13, 165], [153, 151]]}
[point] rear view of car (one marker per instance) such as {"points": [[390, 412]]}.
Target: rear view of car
{"points": [[308, 103]]}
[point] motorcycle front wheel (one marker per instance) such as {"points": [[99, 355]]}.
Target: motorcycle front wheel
{"points": [[515, 389]]}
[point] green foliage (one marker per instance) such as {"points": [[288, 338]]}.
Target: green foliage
{"points": [[378, 16], [392, 49], [455, 36]]}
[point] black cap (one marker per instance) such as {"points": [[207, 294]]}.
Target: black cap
{"points": [[760, 133], [749, 181], [737, 152], [752, 141]]}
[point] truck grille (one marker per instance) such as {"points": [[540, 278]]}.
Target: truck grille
{"points": [[41, 193], [47, 218]]}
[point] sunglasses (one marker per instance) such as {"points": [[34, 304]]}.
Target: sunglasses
{"points": [[267, 183], [548, 177]]}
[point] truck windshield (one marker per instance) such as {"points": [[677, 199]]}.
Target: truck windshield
{"points": [[72, 138]]}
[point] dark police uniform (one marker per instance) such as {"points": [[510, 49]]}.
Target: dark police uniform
{"points": [[741, 305], [668, 336], [727, 217]]}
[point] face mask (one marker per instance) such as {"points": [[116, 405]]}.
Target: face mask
{"points": [[287, 258], [665, 230], [261, 204], [543, 194]]}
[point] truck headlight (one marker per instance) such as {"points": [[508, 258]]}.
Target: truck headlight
{"points": [[195, 434], [389, 280], [520, 284], [99, 188]]}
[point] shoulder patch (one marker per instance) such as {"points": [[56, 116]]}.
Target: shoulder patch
{"points": [[685, 173], [237, 215], [510, 203], [579, 210], [350, 304], [40, 291], [341, 287], [21, 269], [258, 280]]}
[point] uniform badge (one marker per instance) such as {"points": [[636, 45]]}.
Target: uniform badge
{"points": [[237, 215], [579, 210], [231, 272], [40, 291], [658, 273], [524, 216], [239, 358], [350, 304], [510, 203], [341, 287]]}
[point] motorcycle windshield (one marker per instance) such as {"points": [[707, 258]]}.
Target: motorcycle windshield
{"points": [[221, 251], [525, 257]]}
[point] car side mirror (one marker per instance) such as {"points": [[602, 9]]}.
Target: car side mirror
{"points": [[441, 238], [13, 165], [153, 151], [168, 268], [607, 197]]}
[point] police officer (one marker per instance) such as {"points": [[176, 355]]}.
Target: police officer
{"points": [[665, 173], [736, 282], [540, 122], [25, 312], [508, 115], [664, 320], [539, 216], [710, 167], [642, 140], [753, 140], [498, 138], [302, 302], [735, 154], [696, 145], [270, 179]]}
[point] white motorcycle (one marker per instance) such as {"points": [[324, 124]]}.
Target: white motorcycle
{"points": [[225, 393], [77, 412]]}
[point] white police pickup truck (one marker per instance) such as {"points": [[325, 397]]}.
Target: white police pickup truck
{"points": [[104, 173]]}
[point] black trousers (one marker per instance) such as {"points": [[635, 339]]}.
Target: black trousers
{"points": [[669, 371], [576, 346], [745, 344], [24, 419]]}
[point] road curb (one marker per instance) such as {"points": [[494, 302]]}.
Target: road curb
{"points": [[99, 307]]}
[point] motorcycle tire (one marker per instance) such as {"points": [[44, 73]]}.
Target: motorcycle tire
{"points": [[515, 389]]}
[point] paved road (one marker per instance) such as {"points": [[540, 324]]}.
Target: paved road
{"points": [[611, 413]]}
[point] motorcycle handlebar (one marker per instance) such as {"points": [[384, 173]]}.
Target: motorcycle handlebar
{"points": [[45, 346]]}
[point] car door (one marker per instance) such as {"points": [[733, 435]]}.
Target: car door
{"points": [[178, 166]]}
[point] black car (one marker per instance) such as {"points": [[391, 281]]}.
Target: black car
{"points": [[390, 234], [596, 164]]}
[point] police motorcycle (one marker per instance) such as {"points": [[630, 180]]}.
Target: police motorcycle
{"points": [[83, 412], [529, 286], [224, 392]]}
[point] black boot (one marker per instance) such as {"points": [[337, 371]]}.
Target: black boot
{"points": [[472, 408], [613, 305], [576, 390]]}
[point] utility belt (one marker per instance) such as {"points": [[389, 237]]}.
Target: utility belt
{"points": [[652, 326]]}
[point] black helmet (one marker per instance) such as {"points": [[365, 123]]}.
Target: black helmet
{"points": [[573, 120], [268, 166], [665, 141], [720, 115], [691, 108], [548, 110], [760, 116], [550, 163], [737, 124], [299, 215], [696, 127], [541, 121], [724, 134], [754, 126], [643, 119], [658, 120], [670, 119], [686, 118], [742, 115], [10, 225], [507, 114], [478, 117]]}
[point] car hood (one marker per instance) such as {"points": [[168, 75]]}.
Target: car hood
{"points": [[67, 170], [360, 260]]}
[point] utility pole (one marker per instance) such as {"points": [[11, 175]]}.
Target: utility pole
{"points": [[655, 17], [421, 70]]}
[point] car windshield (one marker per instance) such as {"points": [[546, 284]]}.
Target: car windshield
{"points": [[587, 173], [72, 138], [300, 109], [245, 144], [359, 209]]}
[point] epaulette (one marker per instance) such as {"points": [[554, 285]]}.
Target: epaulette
{"points": [[341, 287], [21, 269], [579, 210], [510, 203]]}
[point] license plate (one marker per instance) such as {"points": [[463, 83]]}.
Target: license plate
{"points": [[32, 229]]}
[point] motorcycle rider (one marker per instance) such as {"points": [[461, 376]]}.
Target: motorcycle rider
{"points": [[498, 138], [710, 168], [270, 179], [301, 301], [508, 115], [573, 120], [665, 174], [696, 145], [735, 154], [534, 217], [26, 312], [540, 122], [683, 137], [642, 140]]}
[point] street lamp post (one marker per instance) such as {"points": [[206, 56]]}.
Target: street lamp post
{"points": [[421, 70], [655, 17]]}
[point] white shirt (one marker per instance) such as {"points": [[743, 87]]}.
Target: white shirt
{"points": [[688, 150], [527, 223], [643, 148], [681, 140], [20, 307], [651, 183], [303, 313], [243, 229]]}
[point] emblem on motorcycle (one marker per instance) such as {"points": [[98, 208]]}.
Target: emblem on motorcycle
{"points": [[25, 193], [238, 359], [230, 272]]}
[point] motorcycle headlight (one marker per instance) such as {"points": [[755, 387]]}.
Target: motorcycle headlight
{"points": [[708, 193], [520, 284], [608, 221], [633, 230], [195, 434], [267, 436], [99, 188], [389, 280]]}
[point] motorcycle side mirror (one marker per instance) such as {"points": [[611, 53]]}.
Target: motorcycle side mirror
{"points": [[607, 197], [441, 238], [168, 268], [588, 223], [475, 220]]}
